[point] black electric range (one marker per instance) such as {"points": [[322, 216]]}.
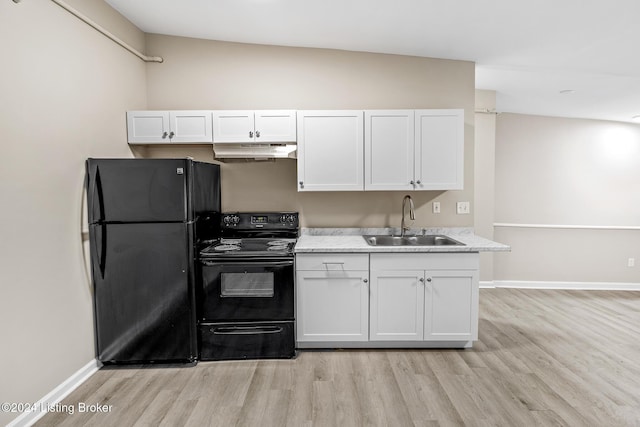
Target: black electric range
{"points": [[246, 300]]}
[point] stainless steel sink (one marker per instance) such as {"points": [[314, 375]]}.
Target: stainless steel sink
{"points": [[427, 240]]}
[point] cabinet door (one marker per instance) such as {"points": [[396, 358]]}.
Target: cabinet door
{"points": [[388, 150], [233, 126], [191, 127], [145, 127], [275, 126], [451, 305], [330, 150], [439, 149], [332, 306], [396, 306]]}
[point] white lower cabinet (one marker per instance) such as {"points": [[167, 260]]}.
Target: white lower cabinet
{"points": [[426, 297], [412, 300], [451, 305], [397, 306], [332, 298]]}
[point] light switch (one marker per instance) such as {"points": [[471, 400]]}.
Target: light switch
{"points": [[463, 208], [436, 207]]}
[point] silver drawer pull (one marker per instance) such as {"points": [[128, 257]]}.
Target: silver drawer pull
{"points": [[331, 262], [247, 330]]}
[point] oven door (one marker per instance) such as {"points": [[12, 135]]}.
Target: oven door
{"points": [[246, 290]]}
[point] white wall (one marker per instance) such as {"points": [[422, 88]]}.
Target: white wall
{"points": [[582, 174], [64, 89]]}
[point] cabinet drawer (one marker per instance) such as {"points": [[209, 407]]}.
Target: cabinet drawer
{"points": [[425, 261], [332, 261]]}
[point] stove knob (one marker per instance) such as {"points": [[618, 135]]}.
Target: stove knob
{"points": [[226, 220], [283, 218], [236, 219]]}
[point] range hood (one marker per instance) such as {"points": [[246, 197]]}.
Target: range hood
{"points": [[255, 151]]}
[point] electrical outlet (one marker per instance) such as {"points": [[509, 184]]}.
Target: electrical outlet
{"points": [[463, 208], [436, 207], [631, 262]]}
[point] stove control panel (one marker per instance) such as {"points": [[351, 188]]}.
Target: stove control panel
{"points": [[289, 218], [230, 220], [257, 221]]}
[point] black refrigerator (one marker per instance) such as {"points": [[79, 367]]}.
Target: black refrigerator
{"points": [[146, 217]]}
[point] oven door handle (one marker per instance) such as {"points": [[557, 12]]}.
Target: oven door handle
{"points": [[246, 330], [248, 263]]}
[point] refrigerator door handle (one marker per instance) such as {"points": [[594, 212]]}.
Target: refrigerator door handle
{"points": [[99, 248], [97, 187]]}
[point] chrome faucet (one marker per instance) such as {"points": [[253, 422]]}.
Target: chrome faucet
{"points": [[412, 214]]}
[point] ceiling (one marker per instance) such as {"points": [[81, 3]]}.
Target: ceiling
{"points": [[528, 52]]}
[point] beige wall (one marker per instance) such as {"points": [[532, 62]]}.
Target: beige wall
{"points": [[567, 172], [64, 89], [484, 169], [219, 75]]}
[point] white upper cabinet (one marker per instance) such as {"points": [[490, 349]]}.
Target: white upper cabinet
{"points": [[439, 149], [169, 127], [233, 126], [414, 150], [381, 150], [242, 126], [330, 150], [190, 126], [148, 127], [275, 126], [389, 150]]}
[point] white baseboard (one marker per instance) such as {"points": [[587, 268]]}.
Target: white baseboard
{"points": [[524, 284], [56, 395]]}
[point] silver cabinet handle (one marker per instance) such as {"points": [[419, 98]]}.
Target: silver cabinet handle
{"points": [[421, 279], [365, 280], [164, 135], [418, 182], [257, 134], [429, 279], [171, 134], [411, 182], [301, 184], [250, 134]]}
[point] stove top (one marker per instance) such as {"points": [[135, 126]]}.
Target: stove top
{"points": [[254, 234], [249, 247]]}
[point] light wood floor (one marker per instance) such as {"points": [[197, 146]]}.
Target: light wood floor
{"points": [[543, 358]]}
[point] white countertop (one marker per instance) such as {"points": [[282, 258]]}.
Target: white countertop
{"points": [[350, 240]]}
